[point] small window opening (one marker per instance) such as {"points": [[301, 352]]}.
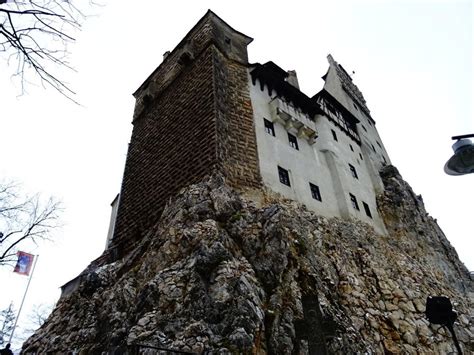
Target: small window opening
{"points": [[354, 202], [147, 100], [378, 143], [269, 127], [365, 129], [284, 176], [367, 209], [373, 148], [293, 141], [350, 145], [353, 171], [360, 155], [315, 193], [334, 135]]}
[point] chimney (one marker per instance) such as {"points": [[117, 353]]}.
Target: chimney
{"points": [[165, 55], [292, 79]]}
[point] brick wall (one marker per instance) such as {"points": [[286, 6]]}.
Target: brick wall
{"points": [[192, 117], [237, 146], [172, 145]]}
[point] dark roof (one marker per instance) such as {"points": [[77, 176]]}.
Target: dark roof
{"points": [[346, 113], [274, 77], [348, 122]]}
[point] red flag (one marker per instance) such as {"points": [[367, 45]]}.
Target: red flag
{"points": [[24, 263]]}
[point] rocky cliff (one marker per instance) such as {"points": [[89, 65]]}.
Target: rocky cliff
{"points": [[250, 272]]}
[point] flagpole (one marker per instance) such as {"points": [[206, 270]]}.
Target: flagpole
{"points": [[24, 296]]}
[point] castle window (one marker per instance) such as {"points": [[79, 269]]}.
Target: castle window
{"points": [[315, 192], [269, 128], [378, 143], [355, 106], [284, 176], [365, 129], [367, 209], [334, 135], [293, 141], [350, 145], [360, 155], [353, 171], [373, 148], [354, 202]]}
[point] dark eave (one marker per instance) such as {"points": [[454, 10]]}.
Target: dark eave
{"points": [[273, 77], [345, 112], [347, 122]]}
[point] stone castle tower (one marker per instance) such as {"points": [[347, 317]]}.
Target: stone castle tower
{"points": [[254, 219], [193, 116]]}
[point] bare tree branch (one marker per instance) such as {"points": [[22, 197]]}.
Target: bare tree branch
{"points": [[23, 218], [36, 35], [38, 315]]}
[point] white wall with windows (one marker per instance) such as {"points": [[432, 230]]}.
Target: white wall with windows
{"points": [[322, 174], [351, 165]]}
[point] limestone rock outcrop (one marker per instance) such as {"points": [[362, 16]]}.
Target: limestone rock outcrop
{"points": [[227, 272]]}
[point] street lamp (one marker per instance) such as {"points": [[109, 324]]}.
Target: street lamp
{"points": [[439, 310], [462, 162]]}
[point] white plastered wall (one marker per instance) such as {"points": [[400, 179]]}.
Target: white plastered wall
{"points": [[324, 163]]}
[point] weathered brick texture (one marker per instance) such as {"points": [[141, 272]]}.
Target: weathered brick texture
{"points": [[193, 116], [237, 147], [172, 145]]}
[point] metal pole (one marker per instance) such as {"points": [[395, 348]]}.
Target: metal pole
{"points": [[455, 339], [24, 296], [463, 136]]}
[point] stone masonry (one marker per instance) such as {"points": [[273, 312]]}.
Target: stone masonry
{"points": [[208, 259], [226, 273], [193, 116]]}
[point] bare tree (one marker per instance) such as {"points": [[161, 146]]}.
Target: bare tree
{"points": [[34, 35], [38, 315], [23, 218]]}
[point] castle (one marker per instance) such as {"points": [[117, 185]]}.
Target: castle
{"points": [[207, 109], [215, 272]]}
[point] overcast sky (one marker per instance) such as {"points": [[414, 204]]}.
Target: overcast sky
{"points": [[412, 61]]}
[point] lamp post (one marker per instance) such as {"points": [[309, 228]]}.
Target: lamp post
{"points": [[462, 162]]}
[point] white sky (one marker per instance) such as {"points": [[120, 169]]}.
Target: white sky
{"points": [[412, 61]]}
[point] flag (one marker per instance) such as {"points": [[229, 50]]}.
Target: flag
{"points": [[24, 263]]}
